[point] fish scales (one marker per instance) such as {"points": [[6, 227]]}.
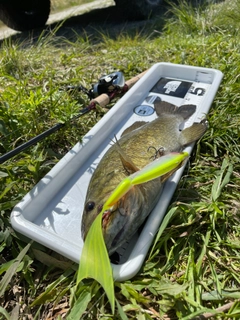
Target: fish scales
{"points": [[139, 145]]}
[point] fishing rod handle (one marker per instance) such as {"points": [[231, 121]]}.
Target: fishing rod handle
{"points": [[135, 79], [102, 100]]}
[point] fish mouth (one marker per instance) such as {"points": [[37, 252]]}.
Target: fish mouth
{"points": [[107, 214], [106, 217], [106, 220]]}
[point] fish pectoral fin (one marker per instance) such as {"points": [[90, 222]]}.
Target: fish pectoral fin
{"points": [[193, 133], [134, 126]]}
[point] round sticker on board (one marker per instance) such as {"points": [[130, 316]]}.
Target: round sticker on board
{"points": [[143, 110]]}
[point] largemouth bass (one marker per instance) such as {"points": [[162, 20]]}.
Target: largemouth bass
{"points": [[139, 144]]}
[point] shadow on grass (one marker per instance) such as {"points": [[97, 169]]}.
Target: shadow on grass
{"points": [[93, 25]]}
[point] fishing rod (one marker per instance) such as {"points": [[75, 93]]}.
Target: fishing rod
{"points": [[102, 93]]}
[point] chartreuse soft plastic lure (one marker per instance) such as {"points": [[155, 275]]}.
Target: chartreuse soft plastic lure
{"points": [[153, 170], [95, 261]]}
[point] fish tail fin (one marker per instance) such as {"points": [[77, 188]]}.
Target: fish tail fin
{"points": [[164, 107], [186, 111], [194, 132]]}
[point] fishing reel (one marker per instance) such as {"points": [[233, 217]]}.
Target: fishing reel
{"points": [[108, 83]]}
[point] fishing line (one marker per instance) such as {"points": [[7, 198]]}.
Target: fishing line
{"points": [[187, 168]]}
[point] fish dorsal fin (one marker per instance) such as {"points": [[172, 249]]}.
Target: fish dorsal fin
{"points": [[127, 162], [164, 107], [134, 126]]}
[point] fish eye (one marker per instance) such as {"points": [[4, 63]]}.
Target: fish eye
{"points": [[89, 206]]}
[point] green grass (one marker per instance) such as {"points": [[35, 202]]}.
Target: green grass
{"points": [[192, 270]]}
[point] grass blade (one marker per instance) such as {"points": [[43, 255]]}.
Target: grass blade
{"points": [[51, 291], [80, 306], [4, 313], [121, 311], [95, 259], [163, 226], [222, 179], [12, 269]]}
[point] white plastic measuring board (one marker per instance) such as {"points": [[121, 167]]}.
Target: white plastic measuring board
{"points": [[51, 212]]}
